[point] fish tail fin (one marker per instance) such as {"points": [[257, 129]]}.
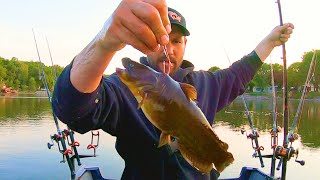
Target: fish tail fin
{"points": [[164, 139], [202, 165], [224, 162]]}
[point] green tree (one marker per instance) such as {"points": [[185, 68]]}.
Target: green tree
{"points": [[278, 75], [3, 73], [32, 84], [214, 68], [262, 78], [306, 61], [296, 74], [26, 76]]}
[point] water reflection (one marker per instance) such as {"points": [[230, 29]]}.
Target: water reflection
{"points": [[260, 110], [18, 108], [25, 128]]}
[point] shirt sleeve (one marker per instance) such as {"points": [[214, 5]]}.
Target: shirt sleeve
{"points": [[218, 89], [83, 112]]}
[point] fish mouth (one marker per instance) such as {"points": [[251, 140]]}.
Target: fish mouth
{"points": [[120, 71], [123, 75]]}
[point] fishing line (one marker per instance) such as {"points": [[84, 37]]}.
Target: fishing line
{"points": [[53, 70], [302, 99]]}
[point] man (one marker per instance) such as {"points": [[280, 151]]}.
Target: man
{"points": [[84, 100]]}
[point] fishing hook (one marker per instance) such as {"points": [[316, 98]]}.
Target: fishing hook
{"points": [[165, 51]]}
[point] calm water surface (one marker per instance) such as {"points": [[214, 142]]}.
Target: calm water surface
{"points": [[26, 125]]}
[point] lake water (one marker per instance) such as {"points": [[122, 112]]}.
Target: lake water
{"points": [[26, 124]]}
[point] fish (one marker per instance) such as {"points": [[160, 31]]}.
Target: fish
{"points": [[171, 107]]}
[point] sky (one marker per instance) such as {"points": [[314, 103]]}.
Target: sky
{"points": [[219, 29]]}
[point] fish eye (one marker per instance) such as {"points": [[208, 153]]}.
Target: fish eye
{"points": [[131, 65]]}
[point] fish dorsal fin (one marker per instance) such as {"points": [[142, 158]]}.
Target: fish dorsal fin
{"points": [[189, 90]]}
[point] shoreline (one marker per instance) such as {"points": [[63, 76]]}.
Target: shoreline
{"points": [[265, 97], [24, 94], [247, 96]]}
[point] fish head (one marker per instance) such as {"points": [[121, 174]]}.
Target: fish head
{"points": [[137, 77]]}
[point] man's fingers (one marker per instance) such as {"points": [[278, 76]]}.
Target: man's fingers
{"points": [[289, 25], [165, 19], [162, 8], [143, 24], [152, 18], [126, 35], [288, 28], [141, 31], [284, 37]]}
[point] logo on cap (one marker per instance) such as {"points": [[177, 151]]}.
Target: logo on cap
{"points": [[174, 16]]}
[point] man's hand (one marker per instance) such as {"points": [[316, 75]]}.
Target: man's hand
{"points": [[143, 24], [280, 34]]}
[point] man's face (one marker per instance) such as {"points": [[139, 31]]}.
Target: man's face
{"points": [[175, 49]]}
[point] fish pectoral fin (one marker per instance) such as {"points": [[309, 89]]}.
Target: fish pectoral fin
{"points": [[164, 139], [142, 101], [189, 90], [202, 165]]}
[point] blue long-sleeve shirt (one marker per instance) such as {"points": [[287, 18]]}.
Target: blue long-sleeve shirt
{"points": [[113, 108]]}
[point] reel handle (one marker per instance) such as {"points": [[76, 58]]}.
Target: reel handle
{"points": [[50, 145], [279, 164], [301, 162]]}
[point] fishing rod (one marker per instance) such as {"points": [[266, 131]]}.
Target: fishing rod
{"points": [[60, 137], [275, 129], [254, 134], [285, 153], [67, 131], [290, 152], [72, 141], [285, 100], [68, 134]]}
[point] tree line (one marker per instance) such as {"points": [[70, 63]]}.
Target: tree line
{"points": [[297, 73], [26, 76]]}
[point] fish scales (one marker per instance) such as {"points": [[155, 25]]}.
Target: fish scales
{"points": [[170, 106]]}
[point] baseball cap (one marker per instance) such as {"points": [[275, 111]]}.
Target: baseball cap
{"points": [[176, 18]]}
